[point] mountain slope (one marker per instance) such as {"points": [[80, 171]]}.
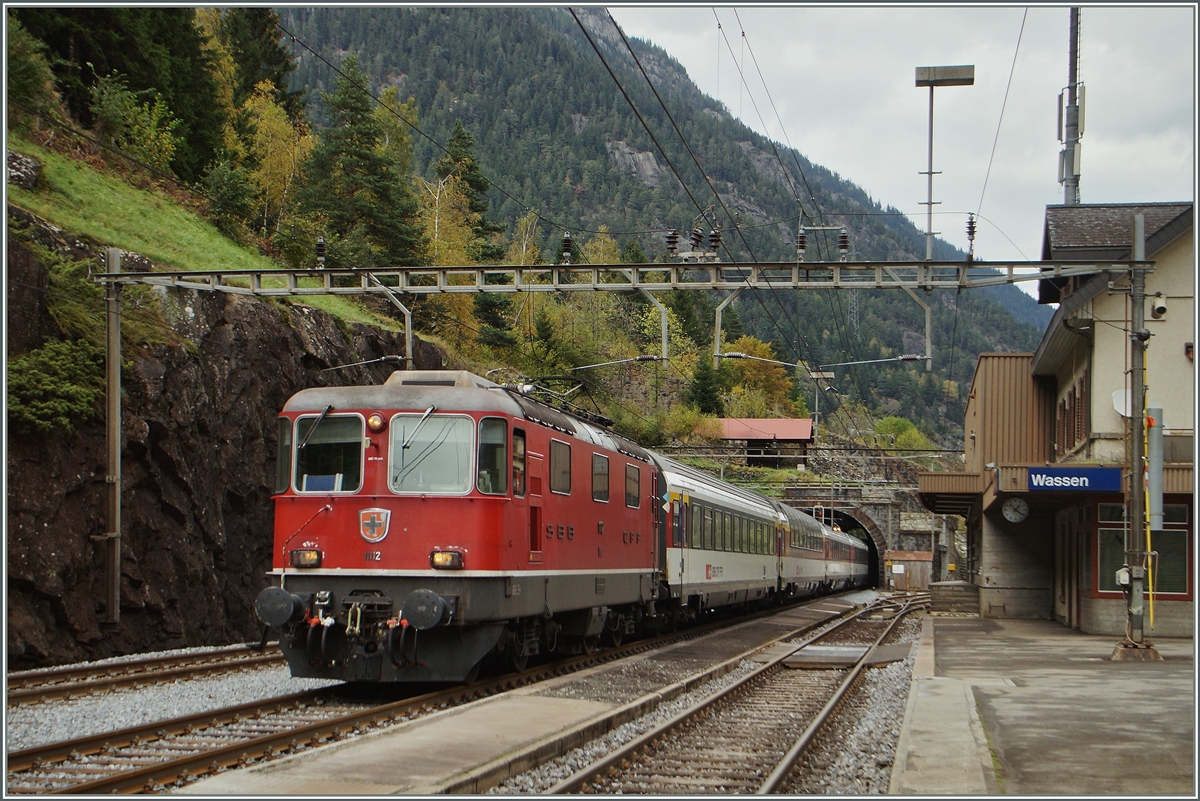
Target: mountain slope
{"points": [[554, 133]]}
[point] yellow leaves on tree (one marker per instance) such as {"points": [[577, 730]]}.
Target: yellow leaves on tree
{"points": [[764, 387], [445, 219], [279, 147]]}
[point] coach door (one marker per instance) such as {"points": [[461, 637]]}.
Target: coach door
{"points": [[535, 507]]}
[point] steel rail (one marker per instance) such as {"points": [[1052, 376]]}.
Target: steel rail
{"points": [[70, 682], [585, 775], [150, 777], [773, 782]]}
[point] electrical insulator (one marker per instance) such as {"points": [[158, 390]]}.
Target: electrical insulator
{"points": [[801, 243], [697, 238], [844, 242], [714, 239], [567, 247], [672, 240], [971, 227]]}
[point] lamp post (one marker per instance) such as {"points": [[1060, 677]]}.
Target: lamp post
{"points": [[931, 77]]}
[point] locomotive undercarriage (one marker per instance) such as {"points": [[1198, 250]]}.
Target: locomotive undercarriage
{"points": [[434, 629]]}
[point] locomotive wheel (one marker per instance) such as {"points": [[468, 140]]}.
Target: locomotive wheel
{"points": [[517, 662], [591, 645], [616, 634]]}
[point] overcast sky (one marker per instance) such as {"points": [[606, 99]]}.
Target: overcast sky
{"points": [[843, 82]]}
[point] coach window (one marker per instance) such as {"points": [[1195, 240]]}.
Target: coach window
{"points": [[697, 515], [560, 467], [599, 478], [518, 463], [633, 486], [708, 527], [329, 454], [742, 535], [493, 456]]}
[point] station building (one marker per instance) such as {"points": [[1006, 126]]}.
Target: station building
{"points": [[1046, 435]]}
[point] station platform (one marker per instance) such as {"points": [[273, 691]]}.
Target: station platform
{"points": [[1030, 707]]}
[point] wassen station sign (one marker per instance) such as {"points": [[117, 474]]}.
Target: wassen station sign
{"points": [[1075, 479]]}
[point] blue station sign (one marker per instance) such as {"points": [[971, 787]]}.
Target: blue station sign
{"points": [[1074, 479]]}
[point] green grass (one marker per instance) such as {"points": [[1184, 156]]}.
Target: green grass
{"points": [[101, 206]]}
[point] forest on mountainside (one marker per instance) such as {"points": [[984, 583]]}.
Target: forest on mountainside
{"points": [[486, 134], [554, 134]]}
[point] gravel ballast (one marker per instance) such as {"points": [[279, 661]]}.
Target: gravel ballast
{"points": [[30, 725]]}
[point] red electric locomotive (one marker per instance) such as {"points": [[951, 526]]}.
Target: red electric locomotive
{"points": [[438, 519]]}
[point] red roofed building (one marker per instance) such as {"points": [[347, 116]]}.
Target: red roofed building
{"points": [[770, 442]]}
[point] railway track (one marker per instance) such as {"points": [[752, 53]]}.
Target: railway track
{"points": [[36, 686], [737, 740], [156, 756]]}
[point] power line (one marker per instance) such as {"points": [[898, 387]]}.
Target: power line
{"points": [[1003, 105]]}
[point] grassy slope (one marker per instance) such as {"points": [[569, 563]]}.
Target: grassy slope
{"points": [[99, 205]]}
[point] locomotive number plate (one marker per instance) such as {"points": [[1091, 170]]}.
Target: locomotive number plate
{"points": [[373, 556]]}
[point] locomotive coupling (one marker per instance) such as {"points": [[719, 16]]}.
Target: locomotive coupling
{"points": [[278, 607]]}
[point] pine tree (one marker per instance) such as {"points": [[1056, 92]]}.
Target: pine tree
{"points": [[367, 208], [252, 35], [705, 390], [460, 160]]}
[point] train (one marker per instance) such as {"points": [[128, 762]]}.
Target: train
{"points": [[439, 522]]}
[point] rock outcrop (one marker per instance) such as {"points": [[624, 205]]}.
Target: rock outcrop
{"points": [[198, 465]]}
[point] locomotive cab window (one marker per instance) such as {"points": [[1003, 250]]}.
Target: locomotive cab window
{"points": [[633, 486], [431, 453], [493, 456], [560, 467], [283, 465], [329, 453], [599, 478], [518, 463]]}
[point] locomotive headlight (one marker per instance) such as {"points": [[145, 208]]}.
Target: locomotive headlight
{"points": [[305, 557], [446, 560], [376, 422]]}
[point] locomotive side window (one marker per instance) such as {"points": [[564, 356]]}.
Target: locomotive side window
{"points": [[283, 464], [633, 486], [329, 453], [599, 478], [431, 453], [560, 467], [518, 463], [493, 456]]}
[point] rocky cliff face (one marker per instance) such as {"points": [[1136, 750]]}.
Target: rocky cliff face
{"points": [[198, 465]]}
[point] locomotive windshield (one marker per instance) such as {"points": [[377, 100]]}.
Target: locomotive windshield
{"points": [[431, 453], [329, 453]]}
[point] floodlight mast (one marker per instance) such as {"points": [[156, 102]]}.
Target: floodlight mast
{"points": [[931, 77]]}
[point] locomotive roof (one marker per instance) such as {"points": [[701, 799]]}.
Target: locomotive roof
{"points": [[459, 390]]}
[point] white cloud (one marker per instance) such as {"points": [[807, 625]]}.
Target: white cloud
{"points": [[842, 80]]}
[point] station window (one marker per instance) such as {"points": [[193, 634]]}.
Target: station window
{"points": [[329, 453], [633, 486], [1172, 563], [492, 477], [599, 478], [560, 467], [518, 463], [1111, 556]]}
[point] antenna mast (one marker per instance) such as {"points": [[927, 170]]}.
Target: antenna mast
{"points": [[1068, 159]]}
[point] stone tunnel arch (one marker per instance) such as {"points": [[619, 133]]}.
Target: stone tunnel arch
{"points": [[859, 519]]}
